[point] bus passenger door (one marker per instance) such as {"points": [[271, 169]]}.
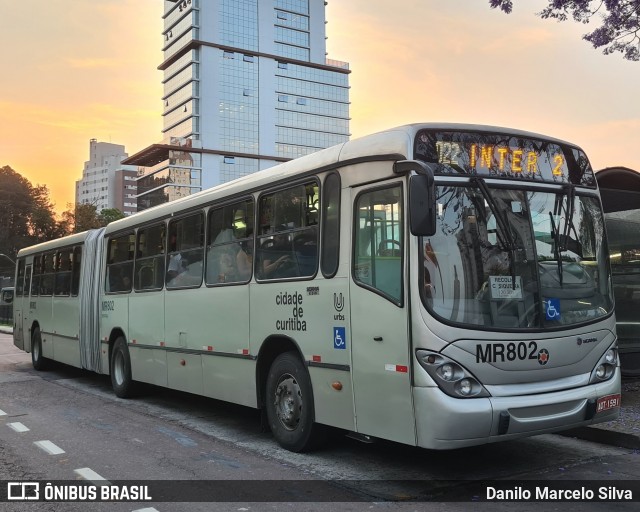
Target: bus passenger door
{"points": [[20, 306], [379, 315]]}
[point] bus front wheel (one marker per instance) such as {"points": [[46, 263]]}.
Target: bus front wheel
{"points": [[121, 381], [37, 359], [289, 404]]}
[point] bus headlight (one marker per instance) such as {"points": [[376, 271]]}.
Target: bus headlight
{"points": [[606, 366], [451, 377], [465, 387], [446, 372]]}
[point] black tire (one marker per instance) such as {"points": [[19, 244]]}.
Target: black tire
{"points": [[40, 363], [289, 405], [120, 370]]}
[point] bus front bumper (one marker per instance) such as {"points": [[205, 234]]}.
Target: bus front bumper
{"points": [[444, 422]]}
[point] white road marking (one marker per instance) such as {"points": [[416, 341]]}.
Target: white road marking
{"points": [[148, 509], [2, 413], [18, 427], [89, 474], [49, 447]]}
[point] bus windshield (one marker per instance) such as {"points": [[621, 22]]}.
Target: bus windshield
{"points": [[516, 259]]}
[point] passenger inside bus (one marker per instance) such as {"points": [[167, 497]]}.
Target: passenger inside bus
{"points": [[276, 254], [176, 266], [120, 278], [244, 261], [226, 266]]}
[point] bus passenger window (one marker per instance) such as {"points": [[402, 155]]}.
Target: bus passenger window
{"points": [[288, 239], [63, 272], [75, 278], [20, 288], [35, 281], [230, 243], [120, 263], [186, 245], [149, 265], [331, 225], [48, 274]]}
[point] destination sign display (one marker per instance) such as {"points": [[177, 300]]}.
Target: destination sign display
{"points": [[503, 156]]}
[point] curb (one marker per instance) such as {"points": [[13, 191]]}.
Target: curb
{"points": [[608, 437]]}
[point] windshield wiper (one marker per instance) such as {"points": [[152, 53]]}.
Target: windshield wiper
{"points": [[562, 241], [568, 220], [502, 225], [556, 249]]}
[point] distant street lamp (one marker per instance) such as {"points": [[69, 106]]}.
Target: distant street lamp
{"points": [[5, 256]]}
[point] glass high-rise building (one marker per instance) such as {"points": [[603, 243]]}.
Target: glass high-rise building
{"points": [[246, 85]]}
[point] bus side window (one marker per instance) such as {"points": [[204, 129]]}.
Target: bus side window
{"points": [[63, 272], [230, 243], [47, 279], [75, 275], [186, 246], [120, 263], [35, 281], [331, 225], [20, 279], [287, 244], [149, 264]]}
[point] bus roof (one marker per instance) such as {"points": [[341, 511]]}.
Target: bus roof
{"points": [[392, 144], [75, 239]]}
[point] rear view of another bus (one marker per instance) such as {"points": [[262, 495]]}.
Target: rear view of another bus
{"points": [[620, 191], [515, 333]]}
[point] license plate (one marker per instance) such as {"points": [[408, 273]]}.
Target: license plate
{"points": [[608, 402]]}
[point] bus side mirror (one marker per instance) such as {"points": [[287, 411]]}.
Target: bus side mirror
{"points": [[422, 205]]}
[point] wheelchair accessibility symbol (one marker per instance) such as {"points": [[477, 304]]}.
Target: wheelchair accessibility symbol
{"points": [[552, 309], [339, 338]]}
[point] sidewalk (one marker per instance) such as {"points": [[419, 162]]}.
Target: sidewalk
{"points": [[624, 432]]}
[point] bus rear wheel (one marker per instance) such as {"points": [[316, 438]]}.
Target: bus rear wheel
{"points": [[39, 362], [120, 369], [289, 404]]}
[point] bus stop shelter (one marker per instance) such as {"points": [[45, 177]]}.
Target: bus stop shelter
{"points": [[620, 192]]}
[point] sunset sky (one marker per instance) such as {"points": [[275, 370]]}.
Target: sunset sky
{"points": [[73, 70]]}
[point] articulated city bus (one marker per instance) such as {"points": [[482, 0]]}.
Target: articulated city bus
{"points": [[438, 285]]}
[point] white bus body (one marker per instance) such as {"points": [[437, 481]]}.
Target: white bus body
{"points": [[398, 289]]}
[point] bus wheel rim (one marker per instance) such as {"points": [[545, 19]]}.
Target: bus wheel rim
{"points": [[288, 402], [118, 368]]}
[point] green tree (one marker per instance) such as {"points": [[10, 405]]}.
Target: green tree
{"points": [[26, 213], [86, 217], [83, 216], [109, 215], [619, 29]]}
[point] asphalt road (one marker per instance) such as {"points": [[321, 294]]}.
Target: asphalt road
{"points": [[67, 425]]}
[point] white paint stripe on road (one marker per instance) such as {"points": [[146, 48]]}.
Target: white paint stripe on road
{"points": [[90, 474], [49, 447], [2, 413], [18, 427], [148, 509]]}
